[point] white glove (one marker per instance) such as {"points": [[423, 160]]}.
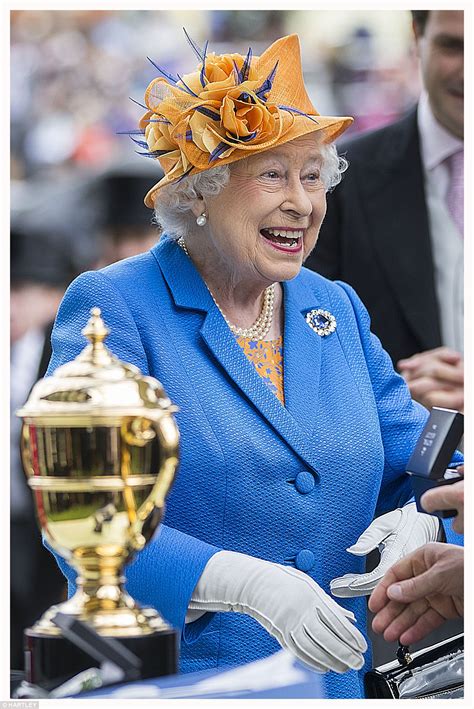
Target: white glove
{"points": [[288, 604], [396, 534]]}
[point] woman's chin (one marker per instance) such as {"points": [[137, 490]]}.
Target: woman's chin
{"points": [[284, 271], [284, 263]]}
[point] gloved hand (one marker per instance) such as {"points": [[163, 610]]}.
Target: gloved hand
{"points": [[396, 534], [288, 604]]}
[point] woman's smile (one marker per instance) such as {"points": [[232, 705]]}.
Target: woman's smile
{"points": [[288, 240]]}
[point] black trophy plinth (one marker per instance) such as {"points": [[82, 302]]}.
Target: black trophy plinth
{"points": [[51, 660]]}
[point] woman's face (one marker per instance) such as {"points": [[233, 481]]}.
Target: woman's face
{"points": [[266, 220]]}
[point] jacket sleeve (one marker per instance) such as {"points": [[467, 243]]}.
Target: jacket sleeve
{"points": [[401, 418], [166, 571]]}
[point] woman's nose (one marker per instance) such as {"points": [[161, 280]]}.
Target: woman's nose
{"points": [[296, 199]]}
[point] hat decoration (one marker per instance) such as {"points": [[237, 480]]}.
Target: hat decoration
{"points": [[230, 107]]}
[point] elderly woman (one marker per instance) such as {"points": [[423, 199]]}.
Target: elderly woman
{"points": [[295, 430]]}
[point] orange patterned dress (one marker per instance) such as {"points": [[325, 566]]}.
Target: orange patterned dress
{"points": [[267, 358]]}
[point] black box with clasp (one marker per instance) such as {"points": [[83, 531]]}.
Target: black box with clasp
{"points": [[428, 465]]}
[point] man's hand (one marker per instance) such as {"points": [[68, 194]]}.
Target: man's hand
{"points": [[435, 378], [419, 593], [447, 497]]}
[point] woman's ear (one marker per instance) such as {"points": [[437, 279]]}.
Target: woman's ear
{"points": [[198, 206]]}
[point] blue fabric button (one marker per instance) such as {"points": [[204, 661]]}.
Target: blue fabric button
{"points": [[304, 560], [304, 482]]}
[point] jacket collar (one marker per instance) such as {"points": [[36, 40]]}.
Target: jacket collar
{"points": [[187, 288], [302, 348]]}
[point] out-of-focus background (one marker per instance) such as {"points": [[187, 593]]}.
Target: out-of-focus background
{"points": [[72, 73], [77, 186]]}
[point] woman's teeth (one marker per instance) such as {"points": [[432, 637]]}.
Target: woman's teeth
{"points": [[289, 237]]}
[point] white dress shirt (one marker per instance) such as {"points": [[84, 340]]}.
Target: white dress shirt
{"points": [[437, 144]]}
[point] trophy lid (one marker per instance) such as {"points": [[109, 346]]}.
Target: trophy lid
{"points": [[96, 384]]}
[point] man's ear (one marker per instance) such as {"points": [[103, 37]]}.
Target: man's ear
{"points": [[418, 36]]}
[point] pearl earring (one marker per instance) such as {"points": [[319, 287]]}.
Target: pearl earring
{"points": [[202, 219]]}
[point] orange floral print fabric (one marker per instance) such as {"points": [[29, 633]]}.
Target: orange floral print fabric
{"points": [[267, 358]]}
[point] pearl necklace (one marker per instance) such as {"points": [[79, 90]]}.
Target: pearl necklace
{"points": [[262, 324]]}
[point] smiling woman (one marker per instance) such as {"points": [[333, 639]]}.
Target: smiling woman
{"points": [[295, 430]]}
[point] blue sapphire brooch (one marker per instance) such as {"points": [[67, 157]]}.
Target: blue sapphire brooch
{"points": [[321, 321]]}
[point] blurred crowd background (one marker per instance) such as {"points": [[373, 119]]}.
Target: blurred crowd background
{"points": [[72, 73], [77, 184]]}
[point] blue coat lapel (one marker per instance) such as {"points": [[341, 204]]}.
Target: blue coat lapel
{"points": [[302, 355], [302, 348], [188, 290]]}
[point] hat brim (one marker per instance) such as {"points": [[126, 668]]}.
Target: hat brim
{"points": [[332, 127]]}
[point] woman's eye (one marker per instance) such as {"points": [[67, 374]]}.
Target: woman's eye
{"points": [[272, 174], [313, 177]]}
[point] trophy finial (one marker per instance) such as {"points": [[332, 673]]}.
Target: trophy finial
{"points": [[96, 330]]}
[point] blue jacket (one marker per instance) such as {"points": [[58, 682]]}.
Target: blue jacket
{"points": [[295, 485]]}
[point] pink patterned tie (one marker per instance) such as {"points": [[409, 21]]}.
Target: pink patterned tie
{"points": [[455, 196]]}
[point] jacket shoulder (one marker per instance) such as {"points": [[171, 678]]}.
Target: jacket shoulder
{"points": [[133, 275], [311, 279], [340, 294], [129, 267]]}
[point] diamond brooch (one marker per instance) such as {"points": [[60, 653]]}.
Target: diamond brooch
{"points": [[321, 321]]}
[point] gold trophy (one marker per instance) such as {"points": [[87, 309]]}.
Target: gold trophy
{"points": [[100, 450]]}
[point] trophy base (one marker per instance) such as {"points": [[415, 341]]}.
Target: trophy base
{"points": [[51, 660]]}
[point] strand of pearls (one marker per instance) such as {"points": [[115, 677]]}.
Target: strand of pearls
{"points": [[262, 324]]}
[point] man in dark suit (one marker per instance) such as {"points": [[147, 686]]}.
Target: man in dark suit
{"points": [[41, 268], [394, 226]]}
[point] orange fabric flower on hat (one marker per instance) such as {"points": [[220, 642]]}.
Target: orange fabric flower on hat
{"points": [[163, 146], [218, 72], [230, 107], [242, 124], [216, 108], [245, 119]]}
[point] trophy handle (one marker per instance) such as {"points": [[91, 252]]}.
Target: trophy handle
{"points": [[168, 434], [140, 431]]}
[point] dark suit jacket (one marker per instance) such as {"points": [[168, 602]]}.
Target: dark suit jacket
{"points": [[35, 581], [376, 237]]}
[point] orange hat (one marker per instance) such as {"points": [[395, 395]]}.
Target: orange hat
{"points": [[231, 107]]}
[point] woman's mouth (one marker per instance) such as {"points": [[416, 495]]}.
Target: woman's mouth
{"points": [[287, 240]]}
